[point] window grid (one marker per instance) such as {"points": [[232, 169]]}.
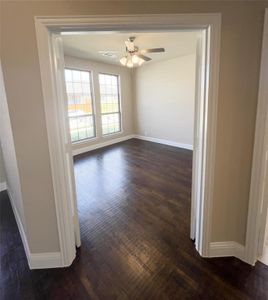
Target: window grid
{"points": [[110, 103], [80, 104]]}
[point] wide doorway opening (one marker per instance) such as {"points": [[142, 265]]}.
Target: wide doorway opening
{"points": [[131, 109], [95, 105]]}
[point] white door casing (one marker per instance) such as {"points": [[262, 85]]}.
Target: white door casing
{"points": [[51, 57], [57, 45], [198, 133], [264, 204], [258, 200]]}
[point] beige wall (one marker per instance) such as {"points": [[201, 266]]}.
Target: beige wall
{"points": [[126, 96], [164, 97], [242, 24], [8, 155], [2, 167]]}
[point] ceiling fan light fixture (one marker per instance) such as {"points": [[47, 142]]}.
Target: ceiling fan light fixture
{"points": [[124, 60], [129, 63], [135, 59], [134, 56], [141, 61]]}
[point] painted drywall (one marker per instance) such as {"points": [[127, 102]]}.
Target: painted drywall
{"points": [[241, 38], [8, 155], [164, 98], [126, 97], [2, 167], [88, 45], [26, 148]]}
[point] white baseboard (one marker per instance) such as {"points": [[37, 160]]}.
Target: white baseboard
{"points": [[3, 186], [35, 260], [20, 227], [228, 248], [164, 142], [128, 137], [45, 260], [102, 144]]}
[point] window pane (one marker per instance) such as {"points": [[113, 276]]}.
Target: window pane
{"points": [[81, 128], [68, 75], [110, 103], [110, 123], [76, 76], [77, 88], [85, 77], [80, 104]]}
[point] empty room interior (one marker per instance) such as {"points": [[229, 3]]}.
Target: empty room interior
{"points": [[142, 105], [133, 155]]}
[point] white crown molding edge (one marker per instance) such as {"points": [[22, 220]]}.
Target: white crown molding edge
{"points": [[35, 260]]}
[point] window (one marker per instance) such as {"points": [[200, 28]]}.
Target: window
{"points": [[110, 103], [80, 104]]}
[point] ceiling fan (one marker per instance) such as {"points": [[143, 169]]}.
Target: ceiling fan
{"points": [[134, 56]]}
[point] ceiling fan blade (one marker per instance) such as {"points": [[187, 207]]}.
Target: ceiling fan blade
{"points": [[153, 50], [146, 58]]}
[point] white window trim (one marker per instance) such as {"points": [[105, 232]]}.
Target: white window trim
{"points": [[92, 104], [120, 105]]}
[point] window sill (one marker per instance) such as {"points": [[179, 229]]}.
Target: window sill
{"points": [[112, 134], [85, 141]]}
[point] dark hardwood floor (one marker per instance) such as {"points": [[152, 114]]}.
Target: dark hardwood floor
{"points": [[134, 209]]}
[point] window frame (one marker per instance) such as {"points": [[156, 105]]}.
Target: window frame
{"points": [[92, 105], [119, 104]]}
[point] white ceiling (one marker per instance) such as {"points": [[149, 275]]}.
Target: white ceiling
{"points": [[88, 45]]}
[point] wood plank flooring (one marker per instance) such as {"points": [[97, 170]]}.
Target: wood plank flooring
{"points": [[134, 210]]}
